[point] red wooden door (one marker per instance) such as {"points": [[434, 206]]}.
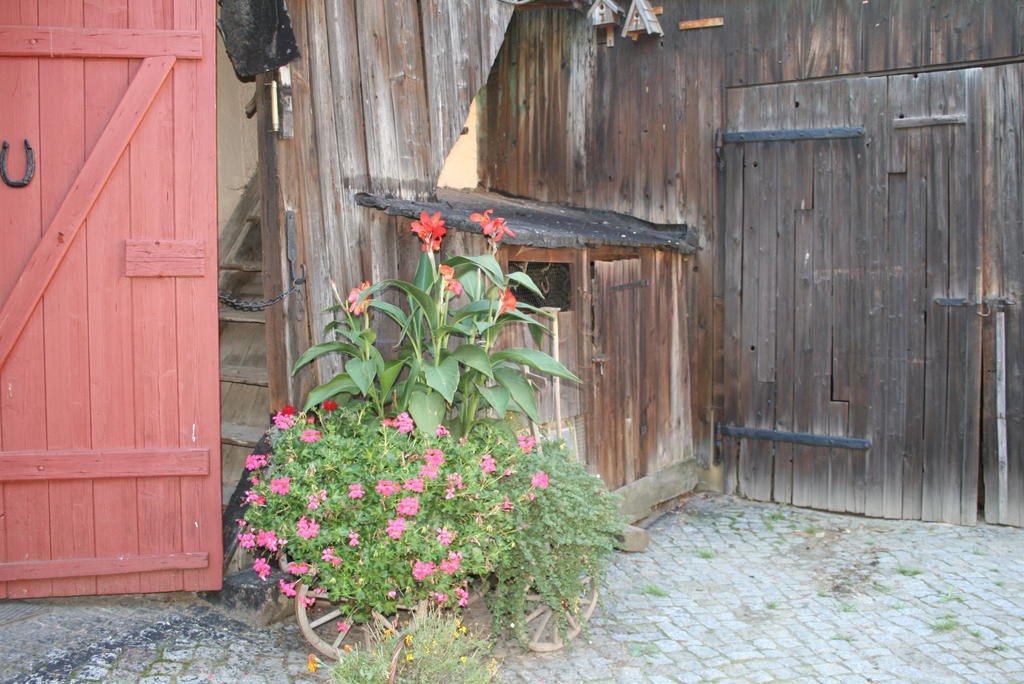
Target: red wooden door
{"points": [[109, 416]]}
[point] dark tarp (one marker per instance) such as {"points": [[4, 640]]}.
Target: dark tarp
{"points": [[541, 224], [258, 35]]}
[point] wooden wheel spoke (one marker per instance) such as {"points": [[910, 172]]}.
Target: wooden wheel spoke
{"points": [[337, 641], [325, 618], [536, 611], [538, 631], [544, 633]]}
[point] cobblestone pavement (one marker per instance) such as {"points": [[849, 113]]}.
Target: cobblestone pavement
{"points": [[729, 591]]}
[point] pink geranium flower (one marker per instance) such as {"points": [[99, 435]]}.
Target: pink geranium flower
{"points": [[353, 539], [414, 484], [429, 471], [488, 464], [409, 506], [527, 443], [434, 457], [395, 528], [308, 528], [402, 422], [463, 597], [310, 436], [344, 627], [540, 480], [281, 485], [268, 539], [445, 536], [287, 587], [355, 491], [255, 499], [254, 461], [247, 541], [329, 557], [387, 487], [262, 568], [421, 571], [451, 564], [283, 421], [441, 431], [316, 499], [298, 568]]}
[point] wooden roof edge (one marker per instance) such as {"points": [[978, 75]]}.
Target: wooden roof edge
{"points": [[542, 224]]}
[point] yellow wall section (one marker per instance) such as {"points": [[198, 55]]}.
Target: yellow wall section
{"points": [[460, 167]]}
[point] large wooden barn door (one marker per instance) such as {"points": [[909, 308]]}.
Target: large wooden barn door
{"points": [[109, 426], [853, 270]]}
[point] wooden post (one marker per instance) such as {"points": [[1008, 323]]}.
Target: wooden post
{"points": [[1004, 469]]}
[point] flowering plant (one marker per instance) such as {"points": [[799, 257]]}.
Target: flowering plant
{"points": [[379, 514], [447, 368]]}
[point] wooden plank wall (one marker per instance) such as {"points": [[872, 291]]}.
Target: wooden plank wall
{"points": [[1003, 204], [632, 128], [380, 94]]}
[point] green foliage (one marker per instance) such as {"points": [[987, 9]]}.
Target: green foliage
{"points": [[563, 537], [352, 480], [653, 590], [446, 368], [433, 648], [487, 505]]}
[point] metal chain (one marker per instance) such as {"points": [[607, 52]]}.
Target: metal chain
{"points": [[260, 304]]}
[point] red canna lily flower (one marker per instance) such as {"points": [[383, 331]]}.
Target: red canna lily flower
{"points": [[353, 298], [448, 276], [493, 228], [508, 302], [430, 229]]}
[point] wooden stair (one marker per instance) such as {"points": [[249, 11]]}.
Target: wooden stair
{"points": [[245, 410]]}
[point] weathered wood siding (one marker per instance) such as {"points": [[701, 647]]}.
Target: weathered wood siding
{"points": [[627, 128], [380, 95], [633, 129]]}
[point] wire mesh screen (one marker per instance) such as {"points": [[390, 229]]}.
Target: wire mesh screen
{"points": [[553, 280]]}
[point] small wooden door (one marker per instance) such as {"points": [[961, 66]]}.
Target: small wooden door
{"points": [[616, 420], [109, 416]]}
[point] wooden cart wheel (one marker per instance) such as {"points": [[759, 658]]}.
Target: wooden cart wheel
{"points": [[318, 622], [542, 627]]}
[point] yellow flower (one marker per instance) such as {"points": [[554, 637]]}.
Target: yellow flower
{"points": [[388, 632], [409, 656], [312, 662], [426, 651], [408, 640], [463, 658]]}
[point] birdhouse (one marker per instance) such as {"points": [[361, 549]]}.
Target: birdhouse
{"points": [[605, 14], [641, 19]]}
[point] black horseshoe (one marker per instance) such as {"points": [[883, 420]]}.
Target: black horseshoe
{"points": [[30, 166]]}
